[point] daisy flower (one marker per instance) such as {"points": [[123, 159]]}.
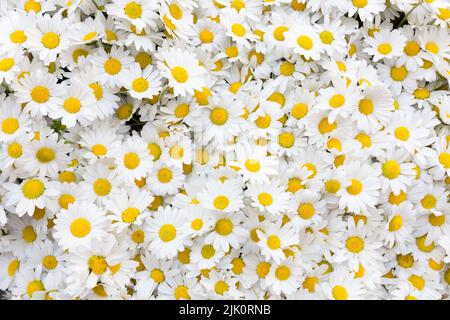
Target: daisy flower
{"points": [[77, 225]]}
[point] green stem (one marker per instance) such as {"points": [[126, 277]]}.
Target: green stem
{"points": [[408, 13]]}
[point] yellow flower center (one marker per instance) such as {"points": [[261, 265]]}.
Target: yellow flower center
{"points": [[157, 275], [366, 106], [97, 264], [428, 201], [65, 199], [265, 199], [385, 48], [444, 159], [396, 223], [299, 110], [286, 140], [72, 105], [274, 242], [18, 37], [411, 48], [138, 236], [420, 242], [182, 292], [325, 127], [208, 251], [97, 90], [263, 269], [359, 3], [206, 36], [221, 287], [405, 261], [34, 286], [402, 133], [278, 33], [310, 283], [436, 221], [287, 69], [306, 210], [355, 188], [197, 224], [432, 47], [399, 74], [176, 11], [282, 273], [155, 150], [332, 186], [49, 262], [337, 101], [6, 64], [13, 266], [99, 150], [364, 139], [417, 282], [221, 202], [326, 37], [238, 29]]}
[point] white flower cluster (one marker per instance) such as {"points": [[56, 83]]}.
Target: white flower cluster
{"points": [[225, 149]]}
